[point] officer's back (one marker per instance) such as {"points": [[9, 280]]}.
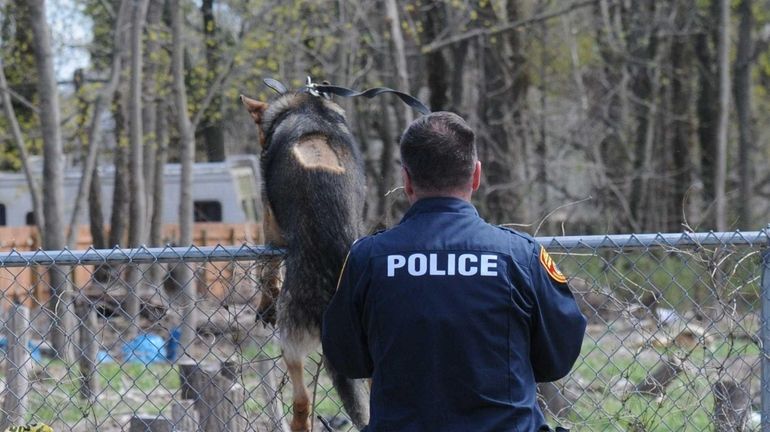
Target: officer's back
{"points": [[454, 319]]}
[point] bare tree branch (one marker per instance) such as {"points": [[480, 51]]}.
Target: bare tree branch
{"points": [[433, 46]]}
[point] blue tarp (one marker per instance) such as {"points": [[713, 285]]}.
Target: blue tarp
{"points": [[146, 348], [32, 345], [103, 357], [172, 344]]}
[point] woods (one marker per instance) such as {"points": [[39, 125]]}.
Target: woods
{"points": [[592, 116]]}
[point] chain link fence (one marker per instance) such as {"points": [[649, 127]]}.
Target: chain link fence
{"points": [[170, 339]]}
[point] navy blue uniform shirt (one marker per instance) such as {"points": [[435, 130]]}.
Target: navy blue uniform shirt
{"points": [[455, 320]]}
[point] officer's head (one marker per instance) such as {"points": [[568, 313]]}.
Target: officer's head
{"points": [[438, 157]]}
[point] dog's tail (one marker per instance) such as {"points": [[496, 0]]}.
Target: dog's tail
{"points": [[354, 396]]}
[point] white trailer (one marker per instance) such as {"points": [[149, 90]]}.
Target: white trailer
{"points": [[226, 192]]}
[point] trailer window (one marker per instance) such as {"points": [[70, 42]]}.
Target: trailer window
{"points": [[207, 211], [2, 214]]}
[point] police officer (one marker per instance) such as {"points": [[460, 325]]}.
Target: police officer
{"points": [[454, 319]]}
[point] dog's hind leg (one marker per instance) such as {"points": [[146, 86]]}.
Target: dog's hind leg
{"points": [[354, 395], [271, 272], [300, 421], [296, 345]]}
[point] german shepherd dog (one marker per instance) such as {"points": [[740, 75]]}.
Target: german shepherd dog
{"points": [[313, 195]]}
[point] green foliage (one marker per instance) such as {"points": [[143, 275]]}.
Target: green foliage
{"points": [[103, 30]]}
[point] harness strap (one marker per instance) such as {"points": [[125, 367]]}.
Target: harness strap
{"points": [[325, 90], [277, 86], [408, 99]]}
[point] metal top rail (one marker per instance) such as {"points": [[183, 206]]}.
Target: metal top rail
{"points": [[140, 255], [169, 254], [632, 241]]}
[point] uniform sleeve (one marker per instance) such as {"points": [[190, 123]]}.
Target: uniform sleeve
{"points": [[557, 324], [343, 335]]}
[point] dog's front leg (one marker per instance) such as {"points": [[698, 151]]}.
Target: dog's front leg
{"points": [[271, 271]]}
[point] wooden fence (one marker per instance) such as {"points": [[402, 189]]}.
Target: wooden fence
{"points": [[28, 284]]}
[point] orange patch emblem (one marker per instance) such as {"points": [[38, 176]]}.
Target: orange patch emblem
{"points": [[550, 267]]}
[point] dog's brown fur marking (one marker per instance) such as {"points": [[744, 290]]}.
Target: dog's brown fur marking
{"points": [[271, 274], [314, 152]]}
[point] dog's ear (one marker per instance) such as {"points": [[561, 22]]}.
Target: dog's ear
{"points": [[254, 107], [257, 110]]}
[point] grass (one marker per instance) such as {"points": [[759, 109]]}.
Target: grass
{"points": [[687, 404], [718, 289]]}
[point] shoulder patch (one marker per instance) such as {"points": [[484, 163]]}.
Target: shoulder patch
{"points": [[550, 266]]}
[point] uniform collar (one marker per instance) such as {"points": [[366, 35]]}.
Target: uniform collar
{"points": [[440, 205]]}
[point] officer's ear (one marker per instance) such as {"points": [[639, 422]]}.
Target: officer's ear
{"points": [[476, 176], [408, 186]]}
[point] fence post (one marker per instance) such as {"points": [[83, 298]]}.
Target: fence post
{"points": [[765, 334]]}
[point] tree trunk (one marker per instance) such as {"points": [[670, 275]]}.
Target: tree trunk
{"points": [[435, 62], [212, 128], [643, 46], [96, 226], [161, 138], [150, 93], [541, 152], [612, 153], [742, 94], [96, 216], [156, 221], [399, 52], [459, 54], [138, 204], [681, 133], [118, 220], [53, 178], [724, 114], [187, 155], [386, 179], [503, 87], [95, 130], [707, 109]]}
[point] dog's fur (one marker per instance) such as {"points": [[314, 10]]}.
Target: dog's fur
{"points": [[313, 195]]}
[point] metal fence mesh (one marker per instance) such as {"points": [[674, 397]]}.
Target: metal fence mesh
{"points": [[673, 341]]}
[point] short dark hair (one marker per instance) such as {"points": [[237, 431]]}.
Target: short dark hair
{"points": [[439, 151]]}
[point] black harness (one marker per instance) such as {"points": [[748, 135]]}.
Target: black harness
{"points": [[326, 91]]}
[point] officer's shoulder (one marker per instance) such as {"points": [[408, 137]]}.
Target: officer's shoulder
{"points": [[371, 237], [365, 242], [517, 235], [522, 245]]}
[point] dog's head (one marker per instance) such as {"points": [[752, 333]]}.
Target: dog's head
{"points": [[290, 108]]}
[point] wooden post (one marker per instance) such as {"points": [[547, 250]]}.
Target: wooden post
{"points": [[17, 367], [150, 423], [231, 369], [269, 388], [186, 367], [233, 408], [656, 381], [732, 404], [88, 348], [184, 416], [210, 389], [217, 399]]}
